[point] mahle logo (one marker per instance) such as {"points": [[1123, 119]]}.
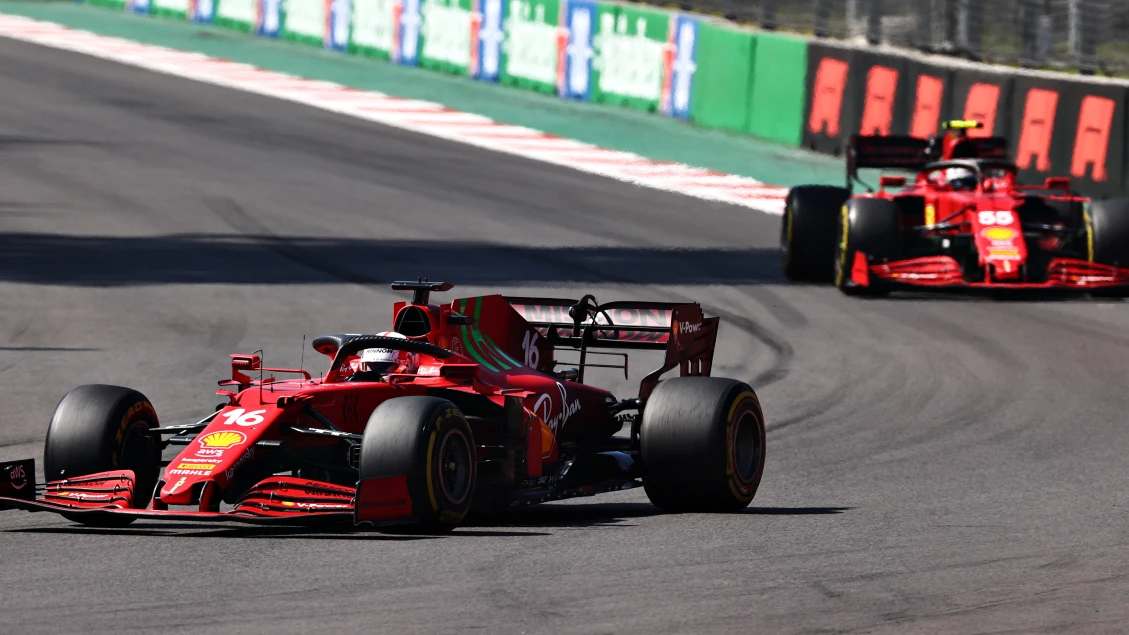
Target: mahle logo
{"points": [[579, 51], [531, 42], [630, 64], [373, 24], [491, 37], [683, 67], [446, 32]]}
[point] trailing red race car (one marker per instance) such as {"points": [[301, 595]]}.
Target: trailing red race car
{"points": [[963, 222], [462, 403]]}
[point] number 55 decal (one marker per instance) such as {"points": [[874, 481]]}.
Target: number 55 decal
{"points": [[996, 218]]}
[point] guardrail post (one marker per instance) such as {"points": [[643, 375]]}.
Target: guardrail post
{"points": [[1085, 14], [1028, 42], [974, 18], [822, 18], [768, 16], [874, 22]]}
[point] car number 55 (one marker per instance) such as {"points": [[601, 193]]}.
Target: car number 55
{"points": [[996, 218]]}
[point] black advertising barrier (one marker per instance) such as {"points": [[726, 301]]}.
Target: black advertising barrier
{"points": [[985, 97], [879, 94], [829, 112], [1070, 128], [1055, 126], [929, 88]]}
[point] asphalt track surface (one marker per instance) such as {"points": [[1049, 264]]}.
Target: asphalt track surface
{"points": [[935, 465]]}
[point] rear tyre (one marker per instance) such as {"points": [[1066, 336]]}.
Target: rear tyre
{"points": [[808, 230], [1107, 227], [99, 428], [702, 442], [870, 226], [427, 440]]}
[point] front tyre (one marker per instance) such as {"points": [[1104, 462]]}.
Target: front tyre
{"points": [[1107, 233], [870, 226], [100, 428], [807, 231], [428, 441], [702, 442]]}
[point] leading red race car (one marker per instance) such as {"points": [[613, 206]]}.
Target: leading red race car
{"points": [[963, 223], [462, 403]]}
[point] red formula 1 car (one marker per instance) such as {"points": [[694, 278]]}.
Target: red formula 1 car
{"points": [[962, 223], [462, 403]]}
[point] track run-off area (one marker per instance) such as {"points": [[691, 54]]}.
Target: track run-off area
{"points": [[934, 464]]}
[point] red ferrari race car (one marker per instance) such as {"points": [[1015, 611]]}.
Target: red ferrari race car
{"points": [[462, 403], [963, 223]]}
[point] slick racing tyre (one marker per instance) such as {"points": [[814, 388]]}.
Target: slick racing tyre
{"points": [[1107, 232], [702, 443], [808, 231], [99, 428], [428, 441], [869, 226]]}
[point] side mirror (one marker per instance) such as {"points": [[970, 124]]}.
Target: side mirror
{"points": [[891, 181], [1057, 183]]}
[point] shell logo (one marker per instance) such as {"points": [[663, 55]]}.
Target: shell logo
{"points": [[999, 233], [224, 439]]}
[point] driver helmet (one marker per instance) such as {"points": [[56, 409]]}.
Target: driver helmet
{"points": [[387, 360], [960, 179]]}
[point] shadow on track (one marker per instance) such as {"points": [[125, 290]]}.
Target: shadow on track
{"points": [[504, 525], [115, 261]]}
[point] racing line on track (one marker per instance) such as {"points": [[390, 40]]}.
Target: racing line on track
{"points": [[418, 116]]}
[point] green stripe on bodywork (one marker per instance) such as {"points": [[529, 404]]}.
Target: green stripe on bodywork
{"points": [[468, 339], [501, 353], [482, 341]]}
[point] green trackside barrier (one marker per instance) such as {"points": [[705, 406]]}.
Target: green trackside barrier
{"points": [[776, 101], [628, 67], [445, 35], [529, 52], [374, 28], [720, 95], [169, 8], [112, 4], [304, 21], [236, 14]]}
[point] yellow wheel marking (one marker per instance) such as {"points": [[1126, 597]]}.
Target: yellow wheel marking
{"points": [[1089, 232], [788, 235], [430, 453], [844, 224]]}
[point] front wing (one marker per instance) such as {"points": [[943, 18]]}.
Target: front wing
{"points": [[108, 498], [940, 272]]}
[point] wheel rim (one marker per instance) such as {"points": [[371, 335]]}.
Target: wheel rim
{"points": [[746, 446], [455, 465]]}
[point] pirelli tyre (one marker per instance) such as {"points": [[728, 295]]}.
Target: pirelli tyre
{"points": [[428, 441], [1107, 233], [99, 428], [702, 445], [808, 231], [869, 226]]}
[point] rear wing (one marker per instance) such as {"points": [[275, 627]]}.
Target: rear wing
{"points": [[680, 329], [913, 154], [898, 152]]}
